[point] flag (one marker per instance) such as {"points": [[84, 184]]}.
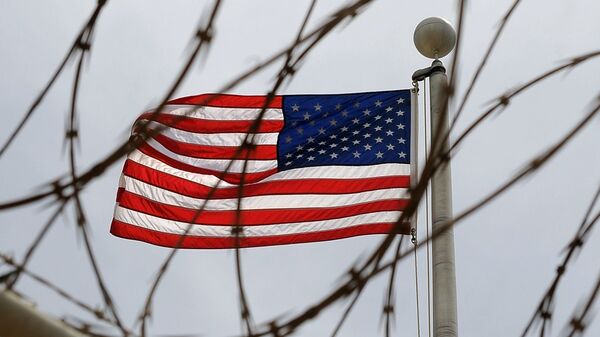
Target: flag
{"points": [[318, 167]]}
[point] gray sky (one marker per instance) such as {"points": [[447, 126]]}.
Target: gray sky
{"points": [[506, 254]]}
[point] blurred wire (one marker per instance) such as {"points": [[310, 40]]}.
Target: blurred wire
{"points": [[68, 190]]}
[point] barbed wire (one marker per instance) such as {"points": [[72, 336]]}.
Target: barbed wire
{"points": [[56, 188], [388, 308], [544, 312], [204, 36], [371, 268], [488, 53], [581, 319], [82, 43], [96, 312], [358, 276]]}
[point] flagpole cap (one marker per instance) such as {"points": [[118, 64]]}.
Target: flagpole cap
{"points": [[434, 37]]}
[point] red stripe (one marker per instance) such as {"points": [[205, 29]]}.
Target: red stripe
{"points": [[299, 186], [259, 152], [198, 125], [232, 178], [253, 217], [229, 101], [132, 232]]}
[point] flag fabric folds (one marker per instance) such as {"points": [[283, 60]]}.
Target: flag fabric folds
{"points": [[313, 168]]}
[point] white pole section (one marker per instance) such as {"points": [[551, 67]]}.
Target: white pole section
{"points": [[443, 270], [19, 318]]}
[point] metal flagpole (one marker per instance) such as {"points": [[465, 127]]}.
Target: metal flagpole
{"points": [[435, 38]]}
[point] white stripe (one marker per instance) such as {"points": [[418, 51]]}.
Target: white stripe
{"points": [[204, 179], [219, 139], [214, 113], [344, 172], [323, 172], [264, 201], [175, 227], [122, 180], [237, 166]]}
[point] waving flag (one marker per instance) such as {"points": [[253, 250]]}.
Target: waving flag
{"points": [[320, 167]]}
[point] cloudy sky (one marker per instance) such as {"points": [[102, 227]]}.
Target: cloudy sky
{"points": [[506, 254]]}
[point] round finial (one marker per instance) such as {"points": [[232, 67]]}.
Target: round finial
{"points": [[434, 37]]}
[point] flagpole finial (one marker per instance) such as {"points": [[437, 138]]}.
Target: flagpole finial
{"points": [[434, 37]]}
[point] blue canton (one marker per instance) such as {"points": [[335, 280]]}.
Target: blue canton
{"points": [[348, 129]]}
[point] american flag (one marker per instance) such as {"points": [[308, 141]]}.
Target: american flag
{"points": [[321, 167]]}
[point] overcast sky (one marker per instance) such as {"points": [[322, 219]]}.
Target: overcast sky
{"points": [[506, 254]]}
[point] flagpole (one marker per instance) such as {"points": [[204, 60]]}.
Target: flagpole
{"points": [[435, 38]]}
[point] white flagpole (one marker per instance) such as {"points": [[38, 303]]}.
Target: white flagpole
{"points": [[435, 38]]}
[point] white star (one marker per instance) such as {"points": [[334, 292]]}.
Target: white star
{"points": [[333, 155], [389, 132], [355, 132], [321, 151], [295, 107], [401, 140], [310, 139], [390, 147], [356, 142], [322, 143], [289, 155], [310, 149], [388, 121], [321, 131], [299, 147], [367, 135], [366, 125], [338, 106], [378, 140], [388, 109], [288, 139], [306, 116], [367, 112], [300, 130], [332, 137], [356, 154], [344, 139], [367, 147], [288, 163], [378, 117], [318, 107], [402, 155], [345, 113], [400, 113], [378, 103], [344, 129], [379, 154], [355, 121], [378, 128], [332, 145], [294, 123], [400, 100], [311, 158], [333, 122], [326, 114], [345, 148], [299, 155], [400, 126], [356, 105]]}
